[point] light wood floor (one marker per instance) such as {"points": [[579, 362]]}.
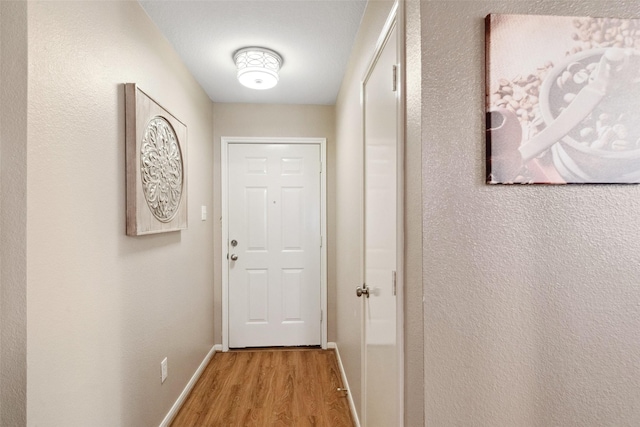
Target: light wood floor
{"points": [[268, 388]]}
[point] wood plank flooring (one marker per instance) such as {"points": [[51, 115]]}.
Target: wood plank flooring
{"points": [[267, 388]]}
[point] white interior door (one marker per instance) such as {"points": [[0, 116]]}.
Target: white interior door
{"points": [[274, 245], [381, 349]]}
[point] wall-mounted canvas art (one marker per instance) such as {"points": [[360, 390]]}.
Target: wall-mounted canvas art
{"points": [[156, 166], [563, 100]]}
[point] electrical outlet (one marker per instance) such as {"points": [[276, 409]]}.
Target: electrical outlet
{"points": [[203, 213], [163, 369]]}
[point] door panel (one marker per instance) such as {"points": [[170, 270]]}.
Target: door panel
{"points": [[255, 211], [258, 292], [381, 386], [274, 216]]}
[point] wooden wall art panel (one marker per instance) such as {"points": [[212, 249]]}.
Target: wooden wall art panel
{"points": [[156, 166]]}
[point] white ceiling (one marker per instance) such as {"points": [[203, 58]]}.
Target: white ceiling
{"points": [[313, 37]]}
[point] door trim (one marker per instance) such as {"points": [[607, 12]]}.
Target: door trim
{"points": [[396, 21], [225, 141]]}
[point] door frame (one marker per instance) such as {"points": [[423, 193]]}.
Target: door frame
{"points": [[395, 20], [225, 141]]}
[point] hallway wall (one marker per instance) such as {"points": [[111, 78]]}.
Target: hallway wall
{"points": [[349, 171], [532, 293], [103, 308], [13, 207], [413, 305], [268, 120]]}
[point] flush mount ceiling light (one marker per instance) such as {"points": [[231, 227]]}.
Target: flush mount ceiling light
{"points": [[257, 67]]}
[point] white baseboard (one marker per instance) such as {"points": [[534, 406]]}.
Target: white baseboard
{"points": [[352, 406], [183, 396]]}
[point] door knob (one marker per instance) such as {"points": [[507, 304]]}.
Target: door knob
{"points": [[362, 291], [234, 257]]}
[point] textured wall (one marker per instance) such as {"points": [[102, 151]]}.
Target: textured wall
{"points": [[268, 120], [349, 195], [413, 315], [103, 308], [532, 294], [13, 206]]}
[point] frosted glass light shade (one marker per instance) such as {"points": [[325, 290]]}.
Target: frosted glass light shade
{"points": [[257, 67]]}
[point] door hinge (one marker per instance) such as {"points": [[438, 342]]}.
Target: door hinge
{"points": [[320, 167], [321, 239], [395, 78], [321, 316], [393, 278]]}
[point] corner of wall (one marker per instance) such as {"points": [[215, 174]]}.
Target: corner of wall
{"points": [[13, 165]]}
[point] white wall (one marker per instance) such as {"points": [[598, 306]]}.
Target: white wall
{"points": [[349, 172], [532, 294], [268, 120], [103, 308], [13, 206]]}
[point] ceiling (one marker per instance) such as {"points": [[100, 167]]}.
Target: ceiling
{"points": [[313, 37]]}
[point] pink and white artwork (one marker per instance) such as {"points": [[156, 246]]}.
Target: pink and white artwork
{"points": [[563, 100]]}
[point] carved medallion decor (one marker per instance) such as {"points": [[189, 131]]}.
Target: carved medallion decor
{"points": [[156, 144], [161, 169]]}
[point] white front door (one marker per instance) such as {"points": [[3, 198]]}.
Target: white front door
{"points": [[274, 245], [381, 370]]}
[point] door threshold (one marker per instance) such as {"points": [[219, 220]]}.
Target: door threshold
{"points": [[293, 348]]}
